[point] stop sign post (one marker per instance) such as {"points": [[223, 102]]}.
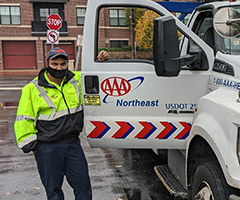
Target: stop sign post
{"points": [[54, 22]]}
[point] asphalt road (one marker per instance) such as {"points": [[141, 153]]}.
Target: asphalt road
{"points": [[116, 174]]}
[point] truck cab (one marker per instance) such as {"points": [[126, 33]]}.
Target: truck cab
{"points": [[170, 87]]}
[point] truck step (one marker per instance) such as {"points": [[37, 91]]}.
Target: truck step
{"points": [[170, 182]]}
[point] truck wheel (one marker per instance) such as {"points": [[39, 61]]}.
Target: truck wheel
{"points": [[209, 183]]}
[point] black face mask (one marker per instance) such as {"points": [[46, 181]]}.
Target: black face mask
{"points": [[59, 74]]}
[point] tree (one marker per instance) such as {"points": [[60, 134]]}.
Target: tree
{"points": [[137, 12], [132, 16], [144, 30]]}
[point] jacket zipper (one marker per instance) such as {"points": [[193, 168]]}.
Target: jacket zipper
{"points": [[65, 102]]}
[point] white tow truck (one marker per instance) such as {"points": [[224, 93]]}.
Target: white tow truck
{"points": [[181, 97]]}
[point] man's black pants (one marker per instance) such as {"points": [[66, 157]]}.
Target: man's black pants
{"points": [[56, 160]]}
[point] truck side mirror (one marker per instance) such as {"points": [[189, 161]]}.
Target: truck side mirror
{"points": [[226, 22], [166, 52]]}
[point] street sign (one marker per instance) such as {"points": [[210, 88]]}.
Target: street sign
{"points": [[79, 44], [54, 22], [52, 37], [79, 40]]}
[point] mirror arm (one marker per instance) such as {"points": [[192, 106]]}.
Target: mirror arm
{"points": [[231, 21], [187, 59], [192, 61]]}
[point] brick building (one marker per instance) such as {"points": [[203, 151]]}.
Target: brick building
{"points": [[23, 31]]}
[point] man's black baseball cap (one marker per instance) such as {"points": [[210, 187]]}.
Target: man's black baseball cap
{"points": [[55, 52]]}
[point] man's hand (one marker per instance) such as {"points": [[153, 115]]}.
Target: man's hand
{"points": [[103, 55]]}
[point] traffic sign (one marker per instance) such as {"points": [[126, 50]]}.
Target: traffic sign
{"points": [[79, 40], [54, 22], [52, 37]]}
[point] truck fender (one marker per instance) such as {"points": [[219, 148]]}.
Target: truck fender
{"points": [[215, 123]]}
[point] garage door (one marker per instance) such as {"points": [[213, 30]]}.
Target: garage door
{"points": [[19, 55]]}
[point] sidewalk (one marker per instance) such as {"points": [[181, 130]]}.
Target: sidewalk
{"points": [[19, 72]]}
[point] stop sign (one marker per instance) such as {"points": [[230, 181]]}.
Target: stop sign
{"points": [[54, 22]]}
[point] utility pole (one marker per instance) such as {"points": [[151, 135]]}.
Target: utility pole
{"points": [[133, 34]]}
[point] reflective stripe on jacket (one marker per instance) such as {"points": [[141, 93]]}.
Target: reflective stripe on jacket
{"points": [[48, 112]]}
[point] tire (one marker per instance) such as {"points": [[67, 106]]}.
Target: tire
{"points": [[209, 183]]}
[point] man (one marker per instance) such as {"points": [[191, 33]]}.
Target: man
{"points": [[48, 122]]}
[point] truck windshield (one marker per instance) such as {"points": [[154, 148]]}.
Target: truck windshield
{"points": [[228, 45]]}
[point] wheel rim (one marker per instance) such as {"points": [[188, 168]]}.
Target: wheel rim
{"points": [[204, 192]]}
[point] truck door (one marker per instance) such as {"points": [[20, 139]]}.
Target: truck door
{"points": [[126, 105]]}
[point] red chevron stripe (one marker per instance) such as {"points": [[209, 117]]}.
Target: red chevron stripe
{"points": [[99, 128], [185, 131], [124, 127], [165, 131], [146, 129]]}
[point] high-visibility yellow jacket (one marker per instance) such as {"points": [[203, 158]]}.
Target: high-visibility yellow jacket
{"points": [[48, 112]]}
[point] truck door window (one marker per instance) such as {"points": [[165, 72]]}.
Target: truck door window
{"points": [[204, 28], [126, 33], [205, 25]]}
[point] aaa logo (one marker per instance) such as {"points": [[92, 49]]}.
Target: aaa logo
{"points": [[115, 86]]}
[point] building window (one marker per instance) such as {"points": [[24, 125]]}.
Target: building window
{"points": [[45, 12], [118, 43], [10, 15], [80, 16], [117, 17], [42, 11]]}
